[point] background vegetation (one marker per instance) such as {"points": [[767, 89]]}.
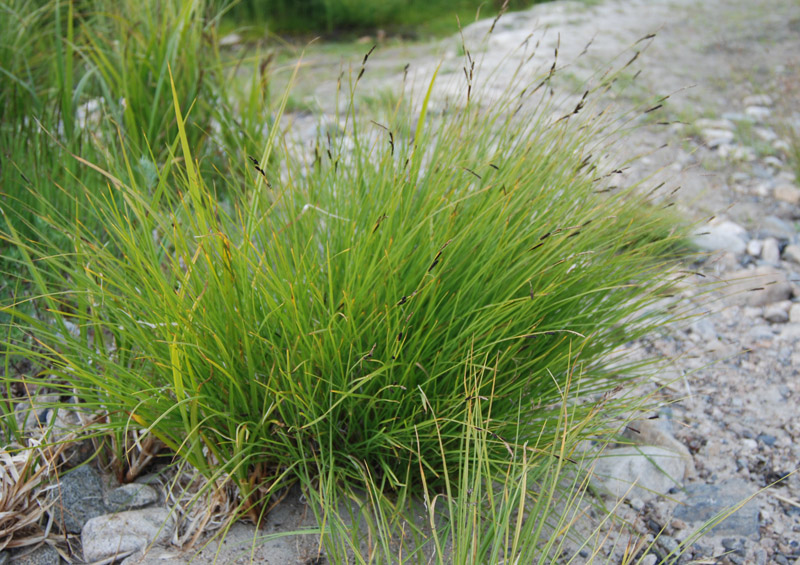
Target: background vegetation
{"points": [[341, 18]]}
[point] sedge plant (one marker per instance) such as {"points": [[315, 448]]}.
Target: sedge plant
{"points": [[397, 315]]}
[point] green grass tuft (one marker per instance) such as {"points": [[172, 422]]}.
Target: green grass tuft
{"points": [[419, 304]]}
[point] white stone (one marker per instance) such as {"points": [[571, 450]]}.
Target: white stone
{"points": [[758, 112], [781, 145], [739, 153], [121, 534], [230, 39], [758, 100], [754, 247], [706, 123], [725, 236], [771, 251], [765, 134], [792, 253], [716, 137], [640, 472], [794, 313], [762, 189], [749, 444]]}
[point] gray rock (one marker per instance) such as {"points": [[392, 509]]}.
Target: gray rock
{"points": [[36, 412], [790, 332], [757, 287], [667, 544], [127, 532], [649, 559], [792, 253], [704, 328], [639, 472], [636, 503], [777, 313], [772, 226], [794, 313], [128, 497], [767, 439], [761, 332], [45, 413], [80, 498], [726, 504], [787, 193], [725, 236], [42, 555], [771, 251], [658, 432], [244, 543]]}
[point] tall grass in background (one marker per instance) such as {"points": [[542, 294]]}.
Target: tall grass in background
{"points": [[416, 307], [87, 77]]}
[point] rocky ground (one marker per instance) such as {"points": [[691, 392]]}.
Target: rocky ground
{"points": [[730, 427]]}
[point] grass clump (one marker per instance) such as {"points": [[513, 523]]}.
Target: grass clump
{"points": [[418, 309]]}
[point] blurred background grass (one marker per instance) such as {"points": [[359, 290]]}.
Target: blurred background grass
{"points": [[414, 19]]}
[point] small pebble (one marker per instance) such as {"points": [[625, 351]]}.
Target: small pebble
{"points": [[771, 251], [787, 193], [767, 439], [649, 559], [754, 247], [668, 544], [749, 444], [792, 253], [777, 313]]}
